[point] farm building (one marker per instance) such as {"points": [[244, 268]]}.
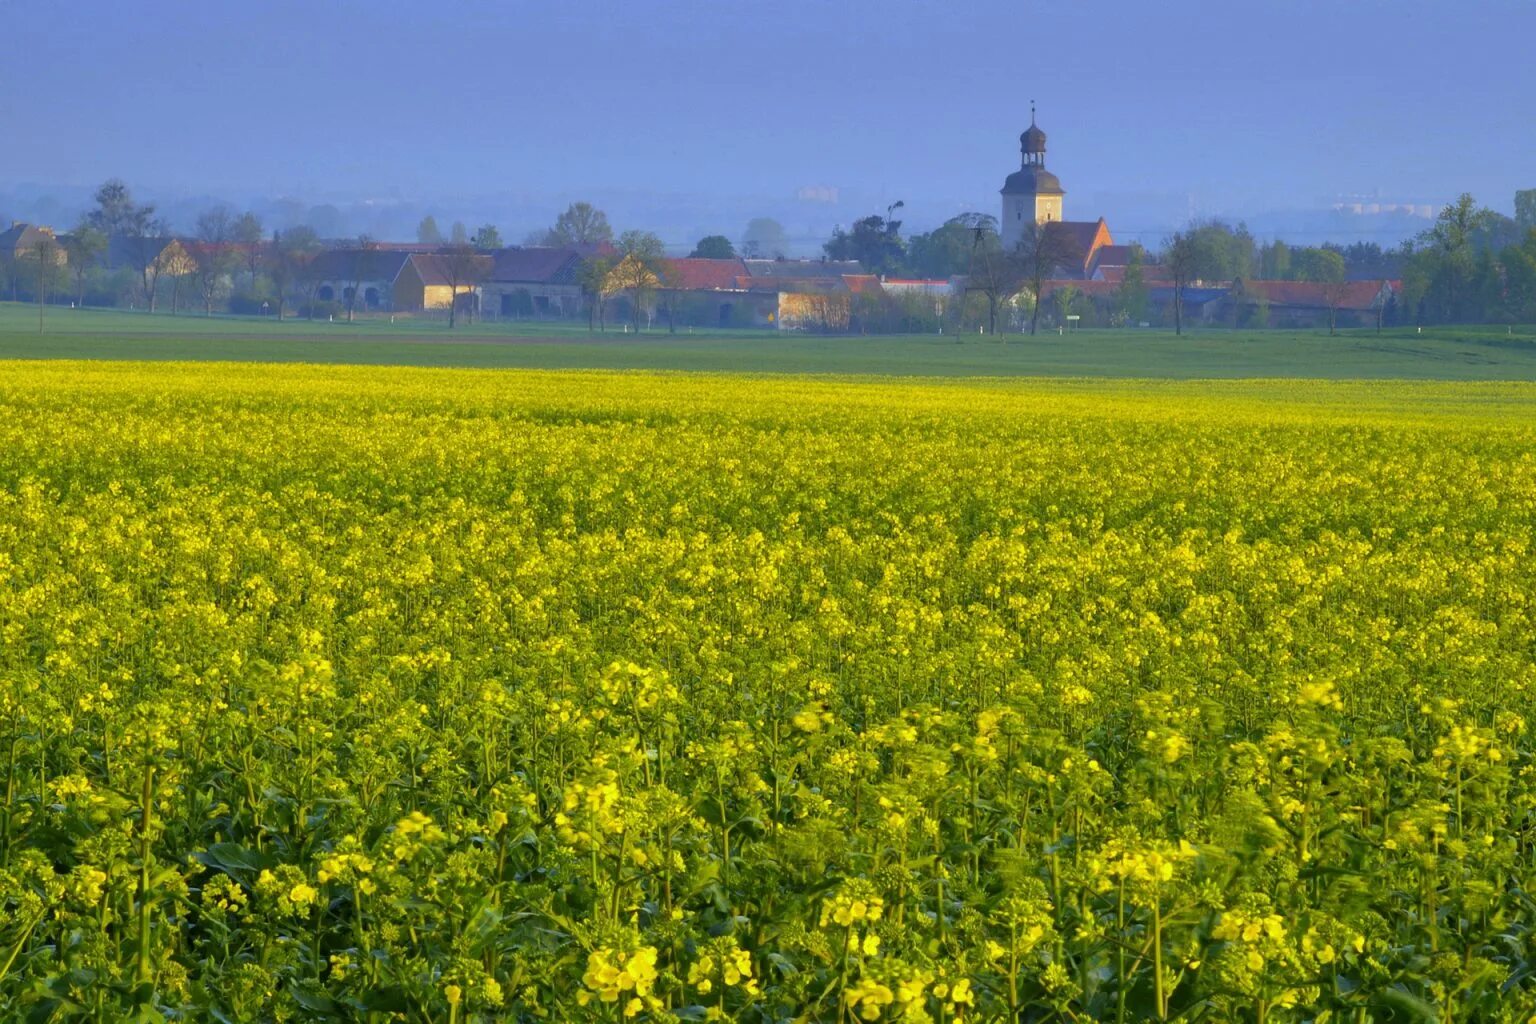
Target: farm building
{"points": [[534, 281], [20, 241], [1308, 303], [392, 280]]}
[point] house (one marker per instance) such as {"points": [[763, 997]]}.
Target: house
{"points": [[537, 281], [362, 278], [934, 287], [783, 271], [21, 241], [1307, 303], [713, 293], [445, 278], [1202, 304], [392, 280]]}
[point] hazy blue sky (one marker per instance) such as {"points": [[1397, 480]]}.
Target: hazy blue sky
{"points": [[1150, 107]]}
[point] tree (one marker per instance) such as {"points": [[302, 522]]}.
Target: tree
{"points": [[176, 264], [1131, 296], [592, 277], [1519, 265], [992, 273], [1442, 266], [247, 232], [580, 224], [292, 252], [1368, 260], [117, 214], [669, 284], [427, 232], [1335, 289], [463, 267], [946, 250], [1229, 252], [1275, 262], [1525, 210], [1042, 250], [636, 272], [212, 254], [11, 267], [713, 247], [1067, 298], [1185, 261], [458, 234], [874, 242], [148, 251], [487, 238], [1317, 265], [764, 239], [83, 247]]}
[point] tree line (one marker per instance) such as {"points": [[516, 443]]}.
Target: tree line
{"points": [[1472, 265]]}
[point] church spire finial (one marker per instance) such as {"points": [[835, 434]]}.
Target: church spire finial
{"points": [[1031, 113]]}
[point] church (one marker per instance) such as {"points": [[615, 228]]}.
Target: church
{"points": [[1033, 195]]}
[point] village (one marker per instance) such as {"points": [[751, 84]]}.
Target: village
{"points": [[1026, 268]]}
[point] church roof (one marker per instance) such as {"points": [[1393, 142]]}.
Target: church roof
{"points": [[1115, 255], [1033, 181], [1033, 139]]}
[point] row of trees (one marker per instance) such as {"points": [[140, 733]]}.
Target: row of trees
{"points": [[1472, 265]]}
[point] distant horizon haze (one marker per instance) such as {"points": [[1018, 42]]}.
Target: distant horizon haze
{"points": [[701, 115]]}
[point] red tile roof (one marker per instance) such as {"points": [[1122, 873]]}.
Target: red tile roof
{"points": [[694, 274], [858, 284], [1311, 294]]}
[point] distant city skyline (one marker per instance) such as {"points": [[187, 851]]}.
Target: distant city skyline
{"points": [[701, 115]]}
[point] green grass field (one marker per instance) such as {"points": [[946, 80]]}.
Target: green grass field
{"points": [[1472, 353]]}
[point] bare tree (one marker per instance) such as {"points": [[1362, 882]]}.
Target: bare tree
{"points": [[308, 276], [463, 267], [212, 253], [669, 284], [178, 265], [148, 252], [1335, 294], [593, 279], [1043, 249], [84, 247], [1184, 260], [641, 254], [993, 274], [248, 233], [291, 255]]}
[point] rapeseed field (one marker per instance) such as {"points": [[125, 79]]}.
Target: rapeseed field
{"points": [[354, 694]]}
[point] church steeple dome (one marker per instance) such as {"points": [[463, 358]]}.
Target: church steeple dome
{"points": [[1032, 194], [1032, 142]]}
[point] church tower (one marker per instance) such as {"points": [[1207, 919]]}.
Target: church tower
{"points": [[1032, 193]]}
